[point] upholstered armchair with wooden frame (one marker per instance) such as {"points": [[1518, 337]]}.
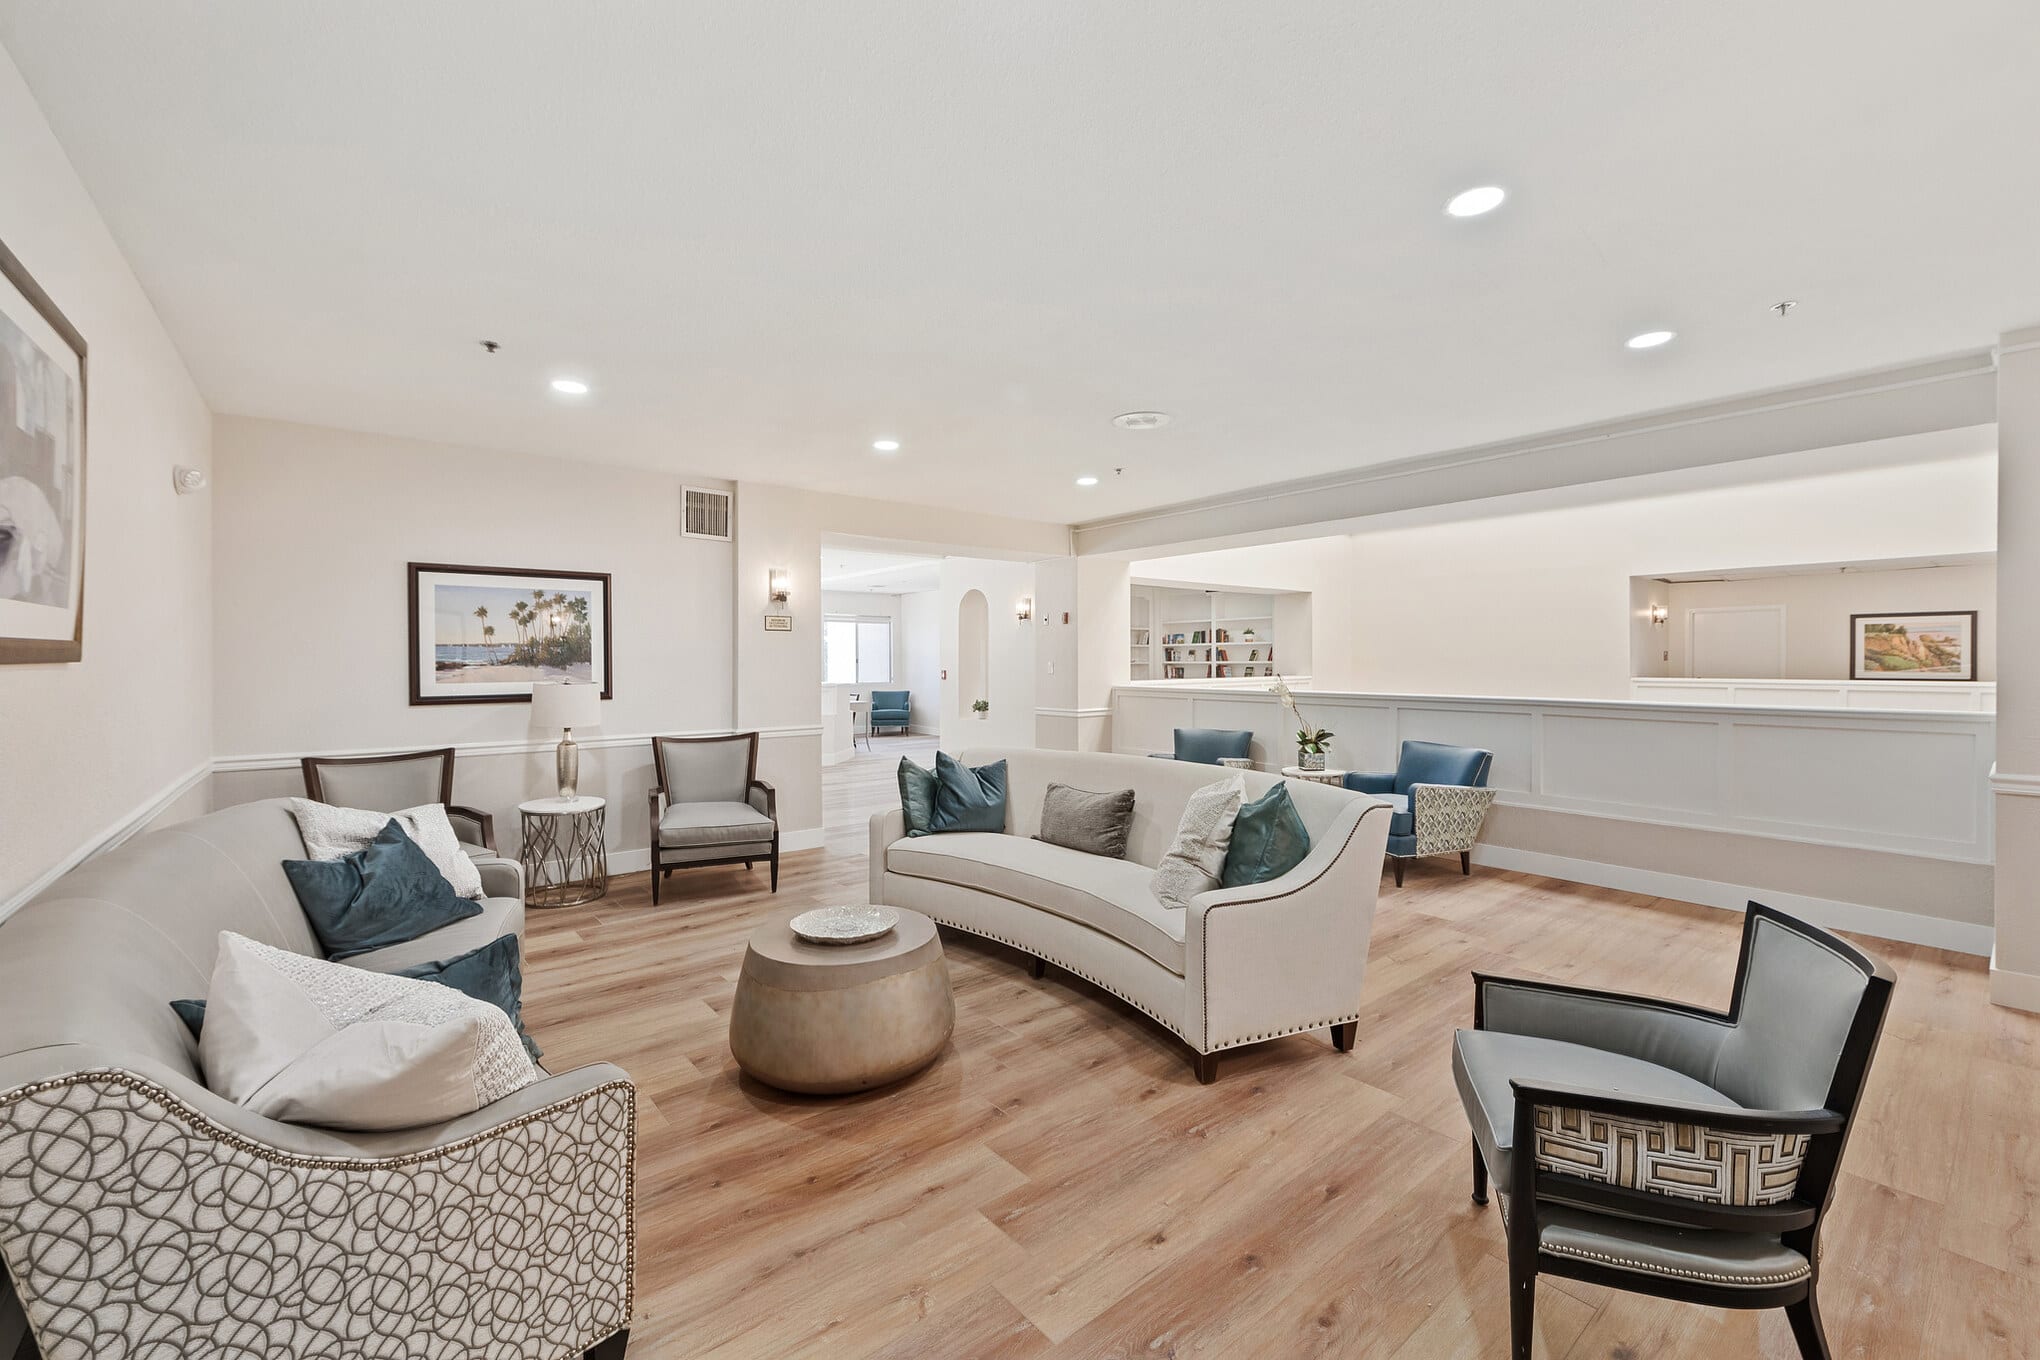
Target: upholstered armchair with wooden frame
{"points": [[1668, 1149], [1439, 797], [394, 782], [710, 807]]}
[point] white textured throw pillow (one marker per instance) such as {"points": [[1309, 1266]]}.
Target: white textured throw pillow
{"points": [[336, 832], [1197, 857], [311, 1042]]}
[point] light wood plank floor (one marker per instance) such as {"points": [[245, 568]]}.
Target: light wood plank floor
{"points": [[1058, 1184]]}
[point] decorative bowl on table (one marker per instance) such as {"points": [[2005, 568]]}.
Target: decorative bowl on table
{"points": [[844, 925]]}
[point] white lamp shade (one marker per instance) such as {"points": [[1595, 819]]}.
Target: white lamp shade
{"points": [[557, 704]]}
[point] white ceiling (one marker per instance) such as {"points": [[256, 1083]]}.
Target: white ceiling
{"points": [[879, 573], [768, 233]]}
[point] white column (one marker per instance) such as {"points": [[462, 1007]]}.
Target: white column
{"points": [[1083, 611], [2015, 783]]}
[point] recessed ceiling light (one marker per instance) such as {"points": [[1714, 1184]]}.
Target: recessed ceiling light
{"points": [[1651, 339], [1087, 481], [886, 445], [1141, 420], [572, 387], [1474, 202]]}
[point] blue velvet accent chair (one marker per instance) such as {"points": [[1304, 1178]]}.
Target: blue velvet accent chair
{"points": [[1440, 796], [890, 709], [1211, 745]]}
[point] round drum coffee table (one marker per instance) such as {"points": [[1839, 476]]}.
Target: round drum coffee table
{"points": [[826, 1019]]}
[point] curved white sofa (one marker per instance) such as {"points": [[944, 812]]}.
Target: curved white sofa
{"points": [[1239, 966]]}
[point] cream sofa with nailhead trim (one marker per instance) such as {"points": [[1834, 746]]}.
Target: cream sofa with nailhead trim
{"points": [[1239, 966]]}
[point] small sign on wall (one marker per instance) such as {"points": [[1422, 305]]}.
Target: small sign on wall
{"points": [[779, 623]]}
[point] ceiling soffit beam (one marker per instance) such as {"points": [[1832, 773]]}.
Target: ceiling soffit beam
{"points": [[1945, 394]]}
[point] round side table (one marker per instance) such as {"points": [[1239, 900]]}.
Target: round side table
{"points": [[564, 861], [824, 1019], [1332, 777]]}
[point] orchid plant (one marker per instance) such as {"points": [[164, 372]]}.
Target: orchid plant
{"points": [[1310, 739]]}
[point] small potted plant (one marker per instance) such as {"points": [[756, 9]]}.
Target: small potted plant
{"points": [[981, 707], [1312, 741]]}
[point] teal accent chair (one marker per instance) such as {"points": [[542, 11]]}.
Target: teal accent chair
{"points": [[1440, 797], [1211, 745], [891, 709]]}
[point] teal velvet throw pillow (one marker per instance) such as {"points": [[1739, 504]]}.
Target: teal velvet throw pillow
{"points": [[1268, 840], [917, 797], [968, 799], [386, 893]]}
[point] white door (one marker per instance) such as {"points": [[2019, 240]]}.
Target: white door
{"points": [[1745, 642]]}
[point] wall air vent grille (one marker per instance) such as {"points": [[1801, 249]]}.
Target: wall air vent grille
{"points": [[705, 514]]}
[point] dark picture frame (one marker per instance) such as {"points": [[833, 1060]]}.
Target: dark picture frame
{"points": [[572, 640], [1922, 619], [33, 649]]}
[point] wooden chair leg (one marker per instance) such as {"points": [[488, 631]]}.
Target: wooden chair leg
{"points": [[1522, 1307], [1479, 1175], [1806, 1329], [1040, 968], [1207, 1067], [1399, 864], [1466, 863], [613, 1348], [775, 864], [657, 877], [1342, 1035]]}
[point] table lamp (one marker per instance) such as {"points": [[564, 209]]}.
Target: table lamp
{"points": [[563, 706]]}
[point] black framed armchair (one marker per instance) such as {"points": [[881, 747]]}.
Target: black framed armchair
{"points": [[1667, 1149], [394, 782], [710, 807]]}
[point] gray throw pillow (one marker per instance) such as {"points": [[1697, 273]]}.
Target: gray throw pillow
{"points": [[1197, 858], [1078, 819]]}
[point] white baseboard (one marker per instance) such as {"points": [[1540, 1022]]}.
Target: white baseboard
{"points": [[1962, 937], [2020, 991], [638, 861], [122, 828], [838, 757]]}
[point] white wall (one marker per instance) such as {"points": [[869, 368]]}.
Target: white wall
{"points": [[921, 662], [314, 531], [1538, 603], [1010, 675], [88, 747], [1817, 609]]}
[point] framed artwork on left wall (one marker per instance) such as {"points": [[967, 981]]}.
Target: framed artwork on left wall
{"points": [[42, 474], [483, 635]]}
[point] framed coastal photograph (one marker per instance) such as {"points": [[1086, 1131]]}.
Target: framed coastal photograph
{"points": [[42, 474], [483, 635], [1913, 646]]}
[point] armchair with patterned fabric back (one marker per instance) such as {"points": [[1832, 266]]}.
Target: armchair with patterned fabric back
{"points": [[1440, 797], [1668, 1149], [392, 783]]}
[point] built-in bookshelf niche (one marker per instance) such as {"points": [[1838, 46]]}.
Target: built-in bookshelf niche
{"points": [[1187, 634]]}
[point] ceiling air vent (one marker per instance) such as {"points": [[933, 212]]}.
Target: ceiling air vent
{"points": [[704, 514]]}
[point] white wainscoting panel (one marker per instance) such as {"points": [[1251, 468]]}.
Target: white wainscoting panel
{"points": [[1907, 782], [1935, 696]]}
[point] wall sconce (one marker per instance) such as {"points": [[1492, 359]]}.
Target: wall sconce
{"points": [[1658, 615], [187, 481], [779, 581], [1025, 609]]}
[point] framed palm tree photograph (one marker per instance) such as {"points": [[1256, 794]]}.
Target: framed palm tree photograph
{"points": [[485, 635]]}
